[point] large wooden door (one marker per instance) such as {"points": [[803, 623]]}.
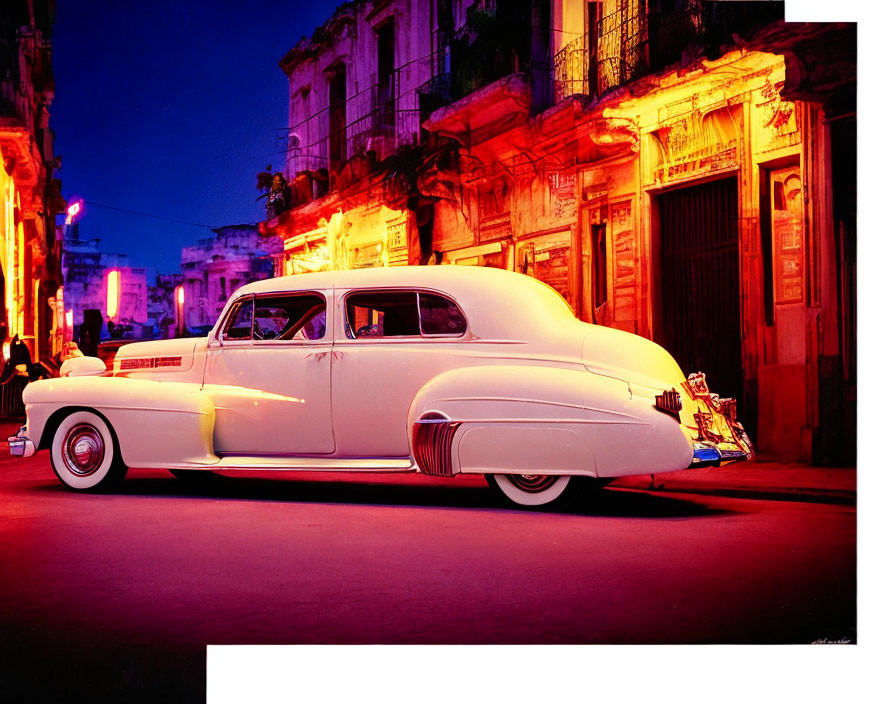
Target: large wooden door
{"points": [[700, 282]]}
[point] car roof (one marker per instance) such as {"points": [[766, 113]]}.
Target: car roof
{"points": [[497, 302], [414, 276]]}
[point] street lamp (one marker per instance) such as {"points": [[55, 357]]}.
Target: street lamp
{"points": [[74, 210]]}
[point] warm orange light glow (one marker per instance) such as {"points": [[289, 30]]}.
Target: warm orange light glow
{"points": [[73, 211], [113, 292], [179, 319]]}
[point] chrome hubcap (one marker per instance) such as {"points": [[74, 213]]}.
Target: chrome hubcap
{"points": [[83, 450], [532, 483]]}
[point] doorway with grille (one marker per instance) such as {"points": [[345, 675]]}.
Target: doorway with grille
{"points": [[699, 283]]}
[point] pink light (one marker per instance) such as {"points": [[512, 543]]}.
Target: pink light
{"points": [[113, 287], [180, 295]]}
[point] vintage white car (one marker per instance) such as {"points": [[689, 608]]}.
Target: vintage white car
{"points": [[440, 370]]}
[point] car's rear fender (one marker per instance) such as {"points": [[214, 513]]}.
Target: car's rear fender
{"points": [[544, 420], [156, 423]]}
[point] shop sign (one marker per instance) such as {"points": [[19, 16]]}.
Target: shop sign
{"points": [[697, 145], [563, 195]]}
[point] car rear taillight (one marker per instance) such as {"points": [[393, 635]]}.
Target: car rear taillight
{"points": [[669, 402], [729, 408]]}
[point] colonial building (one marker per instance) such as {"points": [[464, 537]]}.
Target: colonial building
{"points": [[215, 267], [29, 196], [683, 170], [354, 137], [106, 283], [161, 304]]}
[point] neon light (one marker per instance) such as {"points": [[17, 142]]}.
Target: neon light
{"points": [[113, 291]]}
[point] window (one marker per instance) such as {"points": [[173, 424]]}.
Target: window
{"points": [[285, 317], [439, 316], [402, 314], [337, 133], [599, 264], [240, 324], [385, 50]]}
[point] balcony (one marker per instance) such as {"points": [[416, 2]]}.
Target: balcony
{"points": [[631, 42], [570, 70], [498, 106], [19, 148], [615, 53]]}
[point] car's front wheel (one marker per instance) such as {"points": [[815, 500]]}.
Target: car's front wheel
{"points": [[83, 453], [531, 489]]}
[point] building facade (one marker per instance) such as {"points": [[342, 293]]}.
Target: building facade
{"points": [[215, 267], [29, 195], [104, 282], [681, 170], [161, 304]]}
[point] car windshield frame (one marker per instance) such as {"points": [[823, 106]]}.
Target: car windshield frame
{"points": [[325, 338]]}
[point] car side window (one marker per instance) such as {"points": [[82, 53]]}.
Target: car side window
{"points": [[240, 325], [440, 316], [382, 314], [290, 317], [401, 314], [283, 317]]}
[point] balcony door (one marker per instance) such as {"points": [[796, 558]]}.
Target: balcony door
{"points": [[337, 118]]}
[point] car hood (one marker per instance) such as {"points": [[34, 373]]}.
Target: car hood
{"points": [[630, 358], [171, 355]]}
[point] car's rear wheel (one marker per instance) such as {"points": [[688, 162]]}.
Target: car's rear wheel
{"points": [[531, 489], [84, 454]]}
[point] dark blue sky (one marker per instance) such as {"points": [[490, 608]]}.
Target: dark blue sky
{"points": [[170, 108]]}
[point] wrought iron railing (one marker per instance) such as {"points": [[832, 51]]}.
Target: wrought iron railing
{"points": [[434, 94], [570, 67], [382, 117]]}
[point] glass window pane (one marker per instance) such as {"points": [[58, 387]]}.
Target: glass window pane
{"points": [[240, 323], [382, 314], [440, 316], [294, 317]]}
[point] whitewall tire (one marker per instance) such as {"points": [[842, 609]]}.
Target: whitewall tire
{"points": [[84, 455], [531, 489]]}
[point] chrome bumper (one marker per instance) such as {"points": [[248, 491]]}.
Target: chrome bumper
{"points": [[20, 446], [707, 455]]}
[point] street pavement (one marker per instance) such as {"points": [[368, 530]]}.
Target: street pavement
{"points": [[116, 596]]}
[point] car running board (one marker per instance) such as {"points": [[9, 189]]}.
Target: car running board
{"points": [[305, 464]]}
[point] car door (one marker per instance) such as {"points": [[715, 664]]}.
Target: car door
{"points": [[382, 356], [268, 373]]}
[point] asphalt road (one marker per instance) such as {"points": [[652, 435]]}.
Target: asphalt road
{"points": [[116, 596]]}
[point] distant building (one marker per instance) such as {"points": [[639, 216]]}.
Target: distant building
{"points": [[87, 272], [160, 303], [215, 267], [29, 195]]}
